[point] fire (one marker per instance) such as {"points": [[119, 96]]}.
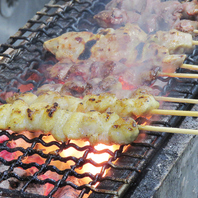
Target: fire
{"points": [[97, 156], [125, 85]]}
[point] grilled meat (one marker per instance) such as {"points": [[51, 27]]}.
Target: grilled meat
{"points": [[153, 55], [151, 16], [190, 10], [59, 70], [115, 18], [140, 104], [175, 41], [187, 26], [88, 77], [108, 44], [107, 128]]}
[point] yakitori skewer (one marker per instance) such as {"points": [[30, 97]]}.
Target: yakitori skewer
{"points": [[178, 100], [177, 75], [174, 112], [168, 129]]}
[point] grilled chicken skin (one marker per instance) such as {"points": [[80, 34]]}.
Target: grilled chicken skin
{"points": [[175, 41], [107, 128], [107, 44], [139, 104]]}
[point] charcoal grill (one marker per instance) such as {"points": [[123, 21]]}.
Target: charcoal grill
{"points": [[22, 55]]}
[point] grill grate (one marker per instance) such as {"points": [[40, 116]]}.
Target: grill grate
{"points": [[31, 164]]}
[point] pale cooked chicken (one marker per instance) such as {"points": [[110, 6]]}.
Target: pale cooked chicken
{"points": [[153, 55], [107, 128], [177, 42], [140, 104], [108, 44]]}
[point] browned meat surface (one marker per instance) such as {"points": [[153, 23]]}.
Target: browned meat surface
{"points": [[190, 10], [108, 44], [169, 13], [187, 26], [115, 18], [59, 70]]}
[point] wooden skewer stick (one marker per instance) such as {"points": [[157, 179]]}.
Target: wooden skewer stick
{"points": [[179, 100], [189, 66], [177, 75], [174, 112], [195, 42], [168, 129], [195, 31]]}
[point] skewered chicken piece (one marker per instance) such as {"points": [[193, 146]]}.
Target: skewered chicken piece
{"points": [[65, 70], [108, 44], [139, 104], [118, 50], [107, 128], [190, 10], [152, 15], [187, 26], [177, 42], [115, 18], [86, 74], [152, 55]]}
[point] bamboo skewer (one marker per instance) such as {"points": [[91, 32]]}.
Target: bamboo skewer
{"points": [[178, 75], [195, 42], [195, 31], [174, 112], [168, 129], [178, 100], [189, 66]]}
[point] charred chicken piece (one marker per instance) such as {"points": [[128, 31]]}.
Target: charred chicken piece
{"points": [[175, 41], [108, 44], [115, 18], [138, 105], [107, 128], [187, 26]]}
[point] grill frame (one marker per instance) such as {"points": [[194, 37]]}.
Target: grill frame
{"points": [[30, 63]]}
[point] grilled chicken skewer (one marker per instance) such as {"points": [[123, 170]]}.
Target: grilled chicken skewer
{"points": [[107, 128], [108, 44], [175, 41], [95, 127], [139, 104], [151, 15], [128, 45]]}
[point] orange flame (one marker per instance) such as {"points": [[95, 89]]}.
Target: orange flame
{"points": [[125, 85]]}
